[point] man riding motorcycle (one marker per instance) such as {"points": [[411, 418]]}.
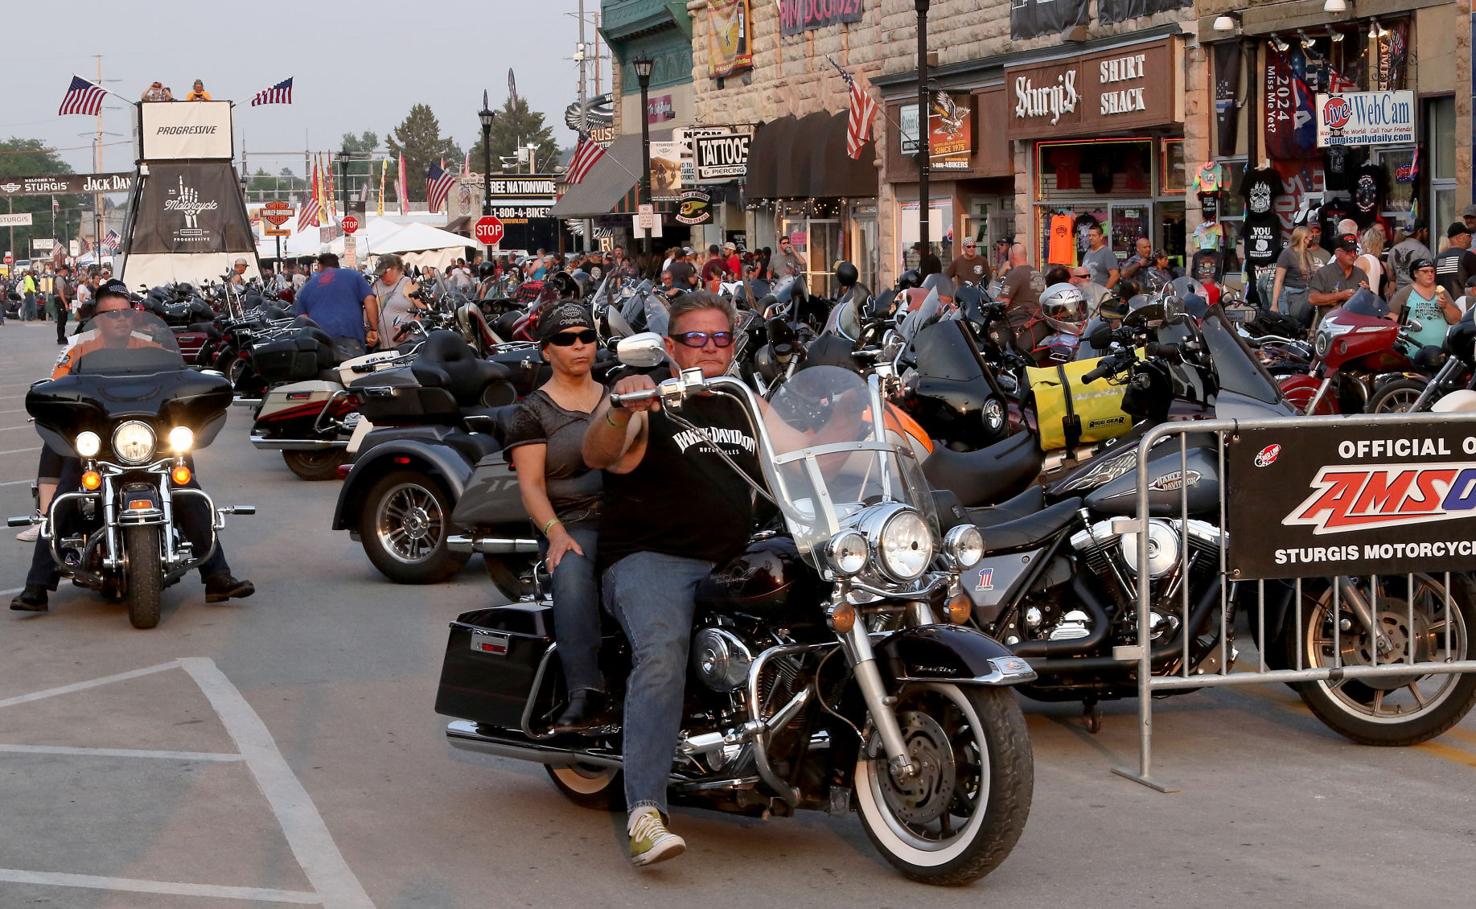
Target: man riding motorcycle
{"points": [[673, 509], [112, 328]]}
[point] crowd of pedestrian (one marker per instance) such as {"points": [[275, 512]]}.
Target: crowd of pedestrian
{"points": [[50, 293]]}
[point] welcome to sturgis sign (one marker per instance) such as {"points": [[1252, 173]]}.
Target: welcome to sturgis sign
{"points": [[1314, 501]]}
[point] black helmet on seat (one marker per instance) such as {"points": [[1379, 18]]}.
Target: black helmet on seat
{"points": [[846, 275]]}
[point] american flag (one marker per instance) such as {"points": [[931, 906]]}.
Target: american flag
{"points": [[82, 97], [307, 216], [110, 243], [862, 115], [585, 156], [438, 183], [281, 93]]}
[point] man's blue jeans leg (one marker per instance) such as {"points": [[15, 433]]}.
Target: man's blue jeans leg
{"points": [[653, 597]]}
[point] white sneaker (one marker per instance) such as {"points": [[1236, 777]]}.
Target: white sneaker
{"points": [[30, 534], [650, 841]]}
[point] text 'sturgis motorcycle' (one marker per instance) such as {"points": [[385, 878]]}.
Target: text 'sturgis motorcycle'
{"points": [[133, 413], [831, 664]]}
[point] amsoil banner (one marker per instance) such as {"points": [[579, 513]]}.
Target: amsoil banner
{"points": [[1029, 18], [1314, 501], [65, 184], [1109, 11], [174, 130], [1227, 92], [729, 45], [1291, 128], [186, 222]]}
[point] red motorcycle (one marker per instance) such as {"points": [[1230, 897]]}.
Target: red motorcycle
{"points": [[1357, 349]]}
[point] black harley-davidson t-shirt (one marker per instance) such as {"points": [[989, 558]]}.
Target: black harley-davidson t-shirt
{"points": [[1259, 189], [1370, 184], [682, 499]]}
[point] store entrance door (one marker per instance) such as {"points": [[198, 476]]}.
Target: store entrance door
{"points": [[1130, 220], [819, 241]]}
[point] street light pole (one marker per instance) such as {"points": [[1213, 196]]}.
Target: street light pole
{"points": [[924, 143], [642, 66], [486, 115]]}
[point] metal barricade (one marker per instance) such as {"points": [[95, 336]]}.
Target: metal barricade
{"points": [[1346, 604]]}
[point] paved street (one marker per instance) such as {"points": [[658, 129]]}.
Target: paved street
{"points": [[283, 750]]}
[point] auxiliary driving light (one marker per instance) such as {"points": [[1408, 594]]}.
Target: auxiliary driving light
{"points": [[965, 545], [846, 552], [181, 439], [88, 444], [91, 480]]}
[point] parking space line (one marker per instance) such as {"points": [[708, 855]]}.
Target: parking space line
{"points": [[18, 482], [22, 426], [83, 686], [20, 450], [163, 888], [306, 833], [215, 756], [1455, 755]]}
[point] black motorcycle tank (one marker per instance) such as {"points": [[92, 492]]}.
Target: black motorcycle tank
{"points": [[492, 662], [1199, 473], [768, 580]]}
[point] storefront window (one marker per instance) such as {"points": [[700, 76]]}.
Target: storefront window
{"points": [[1440, 140], [1172, 172], [1104, 167], [1398, 165], [818, 240]]}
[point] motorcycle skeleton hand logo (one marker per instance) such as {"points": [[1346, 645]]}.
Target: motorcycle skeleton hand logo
{"points": [[186, 200]]}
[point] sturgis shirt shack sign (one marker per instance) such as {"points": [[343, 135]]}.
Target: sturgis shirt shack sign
{"points": [[1127, 88]]}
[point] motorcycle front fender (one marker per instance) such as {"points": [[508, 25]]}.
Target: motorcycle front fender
{"points": [[957, 654]]}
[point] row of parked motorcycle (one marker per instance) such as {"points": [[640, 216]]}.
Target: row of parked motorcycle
{"points": [[829, 672]]}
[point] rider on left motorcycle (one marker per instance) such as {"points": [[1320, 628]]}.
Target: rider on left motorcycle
{"points": [[672, 509], [113, 329]]}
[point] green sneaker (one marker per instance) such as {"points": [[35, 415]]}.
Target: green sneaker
{"points": [[650, 841]]}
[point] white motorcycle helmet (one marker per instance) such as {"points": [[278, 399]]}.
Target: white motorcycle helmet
{"points": [[1064, 308]]}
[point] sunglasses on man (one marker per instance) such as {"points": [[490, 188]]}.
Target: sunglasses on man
{"points": [[570, 338], [700, 338]]}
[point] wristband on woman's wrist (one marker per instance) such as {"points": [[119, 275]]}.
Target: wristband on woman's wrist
{"points": [[611, 420], [549, 526]]}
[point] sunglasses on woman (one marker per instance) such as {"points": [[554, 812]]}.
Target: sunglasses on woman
{"points": [[699, 338], [570, 338]]}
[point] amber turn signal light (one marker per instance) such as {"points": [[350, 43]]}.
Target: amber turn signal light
{"points": [[91, 480], [842, 618], [180, 474], [959, 609]]}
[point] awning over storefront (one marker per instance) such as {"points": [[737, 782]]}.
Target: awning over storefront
{"points": [[611, 186], [806, 158]]}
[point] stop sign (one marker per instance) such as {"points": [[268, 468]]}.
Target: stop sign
{"points": [[350, 224], [9, 258], [489, 231]]}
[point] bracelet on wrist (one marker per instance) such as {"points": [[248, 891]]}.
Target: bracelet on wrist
{"points": [[549, 526], [611, 420]]}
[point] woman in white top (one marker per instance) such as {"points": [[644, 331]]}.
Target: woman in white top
{"points": [[1372, 260]]}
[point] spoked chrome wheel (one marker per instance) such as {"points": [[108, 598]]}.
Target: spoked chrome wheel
{"points": [[961, 813], [1392, 709], [409, 522]]}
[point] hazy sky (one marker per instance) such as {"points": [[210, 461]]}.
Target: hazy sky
{"points": [[356, 66]]}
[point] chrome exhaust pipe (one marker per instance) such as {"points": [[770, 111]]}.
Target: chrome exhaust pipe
{"points": [[269, 444], [463, 735], [490, 545]]}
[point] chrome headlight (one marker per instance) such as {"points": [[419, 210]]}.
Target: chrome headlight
{"points": [[845, 553], [88, 444], [181, 439], [133, 442], [902, 541], [964, 544]]}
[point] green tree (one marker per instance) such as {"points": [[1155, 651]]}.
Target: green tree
{"points": [[33, 158], [517, 125], [419, 137], [359, 164]]}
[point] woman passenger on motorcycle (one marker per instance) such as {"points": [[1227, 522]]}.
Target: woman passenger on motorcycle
{"points": [[396, 307], [562, 496]]}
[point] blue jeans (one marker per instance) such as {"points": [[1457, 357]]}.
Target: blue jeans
{"points": [[653, 596], [576, 610]]}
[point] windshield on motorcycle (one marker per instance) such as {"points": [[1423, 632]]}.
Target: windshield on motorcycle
{"points": [[124, 342], [836, 453], [1236, 368]]}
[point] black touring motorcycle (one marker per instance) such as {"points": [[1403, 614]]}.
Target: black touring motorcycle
{"points": [[133, 413], [1059, 583], [831, 665]]}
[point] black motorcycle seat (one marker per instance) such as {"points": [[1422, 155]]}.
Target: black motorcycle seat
{"points": [[474, 446], [1023, 505], [988, 475], [1027, 532], [466, 374]]}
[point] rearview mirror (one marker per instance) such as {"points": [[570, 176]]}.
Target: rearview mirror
{"points": [[641, 351]]}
